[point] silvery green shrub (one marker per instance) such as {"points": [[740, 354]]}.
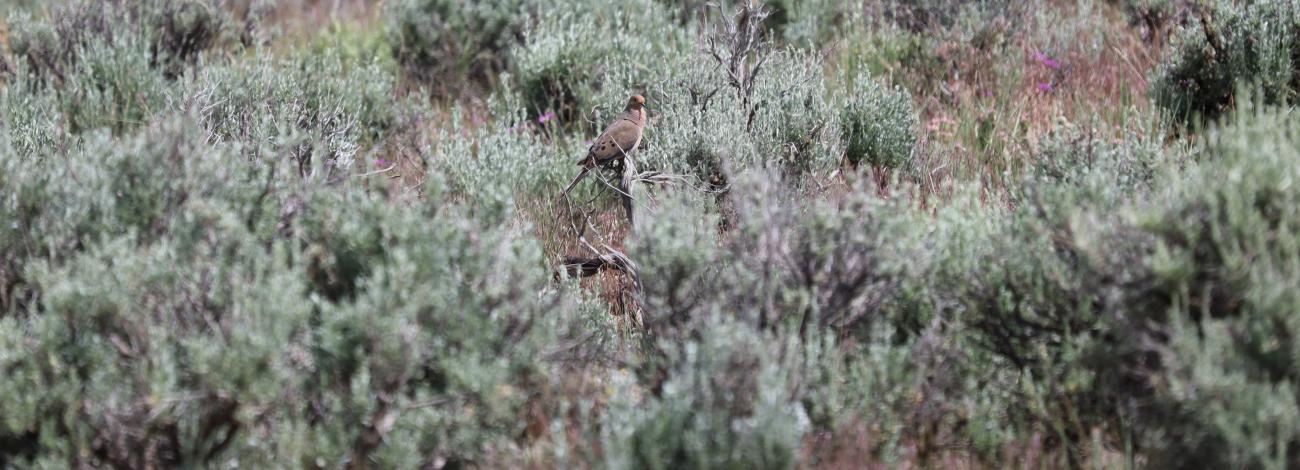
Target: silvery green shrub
{"points": [[275, 105], [171, 34], [727, 401], [437, 41], [1253, 45], [1217, 285], [878, 125], [180, 303], [583, 56], [561, 63]]}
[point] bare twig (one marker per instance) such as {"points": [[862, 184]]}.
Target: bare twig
{"points": [[739, 49]]}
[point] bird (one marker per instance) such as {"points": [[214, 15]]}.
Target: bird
{"points": [[620, 138]]}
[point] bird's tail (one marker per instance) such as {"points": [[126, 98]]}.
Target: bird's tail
{"points": [[576, 179]]}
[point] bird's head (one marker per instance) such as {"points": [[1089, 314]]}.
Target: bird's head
{"points": [[636, 102]]}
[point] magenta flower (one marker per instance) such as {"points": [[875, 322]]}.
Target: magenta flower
{"points": [[1046, 61], [1045, 87], [381, 162], [549, 115]]}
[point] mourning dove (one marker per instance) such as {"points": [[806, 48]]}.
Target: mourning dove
{"points": [[622, 136], [618, 141]]}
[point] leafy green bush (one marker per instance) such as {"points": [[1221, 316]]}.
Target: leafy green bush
{"points": [[561, 63], [437, 41], [1218, 277], [1252, 45], [725, 403], [211, 313], [281, 258], [878, 125], [170, 33], [283, 104]]}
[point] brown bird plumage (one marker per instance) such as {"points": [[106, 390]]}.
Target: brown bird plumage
{"points": [[618, 141], [622, 136]]}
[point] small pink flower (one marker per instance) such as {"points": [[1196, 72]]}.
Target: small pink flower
{"points": [[1046, 61], [549, 115], [1045, 87], [381, 162]]}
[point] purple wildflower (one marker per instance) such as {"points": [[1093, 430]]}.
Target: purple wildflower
{"points": [[1046, 61], [549, 115], [1045, 87], [381, 162]]}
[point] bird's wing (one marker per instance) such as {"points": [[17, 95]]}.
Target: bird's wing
{"points": [[621, 136]]}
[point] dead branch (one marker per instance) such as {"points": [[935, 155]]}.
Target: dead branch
{"points": [[739, 49], [625, 187]]}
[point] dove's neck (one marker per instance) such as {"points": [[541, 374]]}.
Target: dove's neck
{"points": [[637, 116]]}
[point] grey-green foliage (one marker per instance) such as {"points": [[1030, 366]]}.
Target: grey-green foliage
{"points": [[576, 62], [492, 168], [561, 63], [1124, 300], [98, 81], [111, 85], [801, 296], [939, 15], [177, 287], [178, 303], [794, 116], [1252, 45], [707, 131], [280, 105], [592, 55], [170, 34], [810, 23], [720, 318], [783, 266], [727, 402], [1221, 270], [439, 42], [106, 191], [113, 64], [878, 125]]}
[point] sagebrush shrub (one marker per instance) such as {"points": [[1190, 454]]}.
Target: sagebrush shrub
{"points": [[214, 253], [1253, 45], [279, 105], [726, 402], [878, 125], [172, 33], [1218, 278], [587, 56], [561, 64], [438, 41], [217, 313]]}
